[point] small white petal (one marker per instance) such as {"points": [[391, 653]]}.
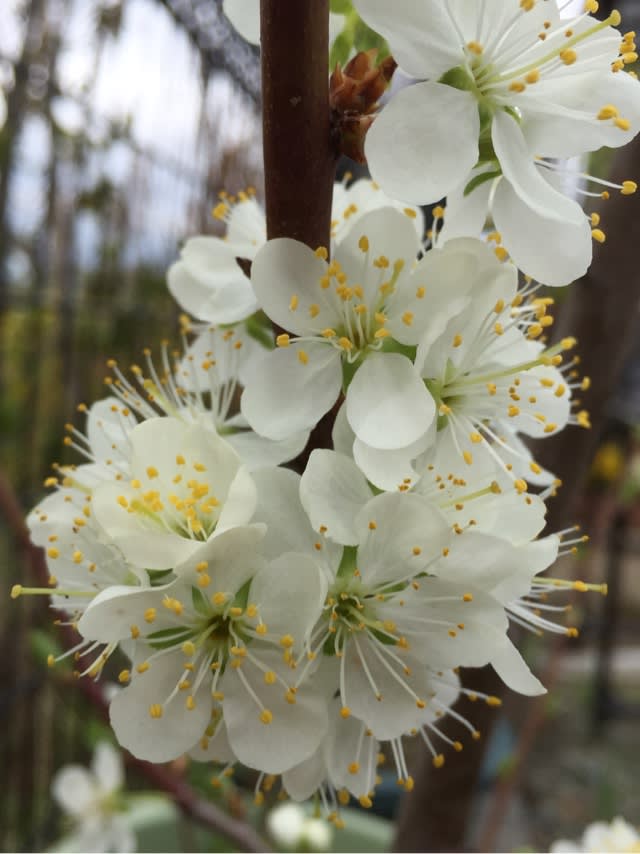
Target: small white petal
{"points": [[514, 671], [332, 491], [284, 395], [422, 141], [388, 405], [107, 767]]}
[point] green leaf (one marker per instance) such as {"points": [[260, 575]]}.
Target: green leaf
{"points": [[341, 7]]}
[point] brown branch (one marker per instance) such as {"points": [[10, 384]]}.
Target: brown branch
{"points": [[299, 153], [202, 811], [299, 157]]}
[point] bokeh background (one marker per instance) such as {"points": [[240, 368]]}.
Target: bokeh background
{"points": [[120, 121]]}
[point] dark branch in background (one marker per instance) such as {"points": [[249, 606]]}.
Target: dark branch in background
{"points": [[601, 311], [206, 813]]}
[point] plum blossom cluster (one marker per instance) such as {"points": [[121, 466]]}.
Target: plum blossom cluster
{"points": [[304, 614]]}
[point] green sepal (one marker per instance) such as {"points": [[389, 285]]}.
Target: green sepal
{"points": [[199, 602], [347, 562], [458, 78], [480, 179], [259, 327], [166, 638], [158, 577]]}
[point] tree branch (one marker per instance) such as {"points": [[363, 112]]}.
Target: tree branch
{"points": [[299, 158]]}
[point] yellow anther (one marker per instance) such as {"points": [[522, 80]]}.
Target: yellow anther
{"points": [[345, 343], [476, 438], [420, 292], [438, 212], [266, 716], [493, 701], [607, 112], [501, 253], [150, 615], [628, 188], [152, 472], [303, 358], [520, 485], [438, 761], [321, 252], [407, 318], [363, 243], [16, 591], [353, 767], [53, 553], [293, 303], [261, 628], [549, 428], [568, 56], [513, 411], [381, 333], [314, 310], [629, 58], [286, 641], [190, 703], [155, 710], [475, 47], [122, 501], [533, 76], [416, 550], [517, 86], [372, 525], [410, 212], [219, 598]]}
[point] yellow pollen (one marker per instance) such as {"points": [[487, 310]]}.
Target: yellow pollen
{"points": [[467, 457], [266, 716], [517, 86], [286, 641], [321, 252], [363, 243], [410, 213], [314, 310], [607, 112], [382, 333], [475, 47], [53, 553], [150, 615], [438, 761], [420, 292], [219, 598], [520, 485], [135, 632], [438, 212], [416, 550], [568, 56], [372, 525], [303, 358], [533, 76], [293, 303], [155, 710], [152, 472], [457, 340], [353, 767], [345, 343], [270, 677], [407, 318], [122, 501], [628, 188], [476, 438]]}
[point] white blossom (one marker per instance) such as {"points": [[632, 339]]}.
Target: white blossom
{"points": [[617, 835], [90, 800], [209, 283], [506, 85]]}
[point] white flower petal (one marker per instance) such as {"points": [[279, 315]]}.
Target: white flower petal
{"points": [[422, 141], [391, 469], [177, 730], [239, 502], [422, 36], [284, 396], [286, 278], [517, 165], [332, 491], [214, 749], [223, 297], [567, 244], [290, 592], [465, 215], [288, 526], [388, 405], [399, 534], [348, 743], [514, 671], [256, 451], [295, 730], [107, 767], [74, 789], [304, 779]]}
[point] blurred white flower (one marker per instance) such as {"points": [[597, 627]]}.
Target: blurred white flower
{"points": [[294, 830], [600, 836], [89, 799]]}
